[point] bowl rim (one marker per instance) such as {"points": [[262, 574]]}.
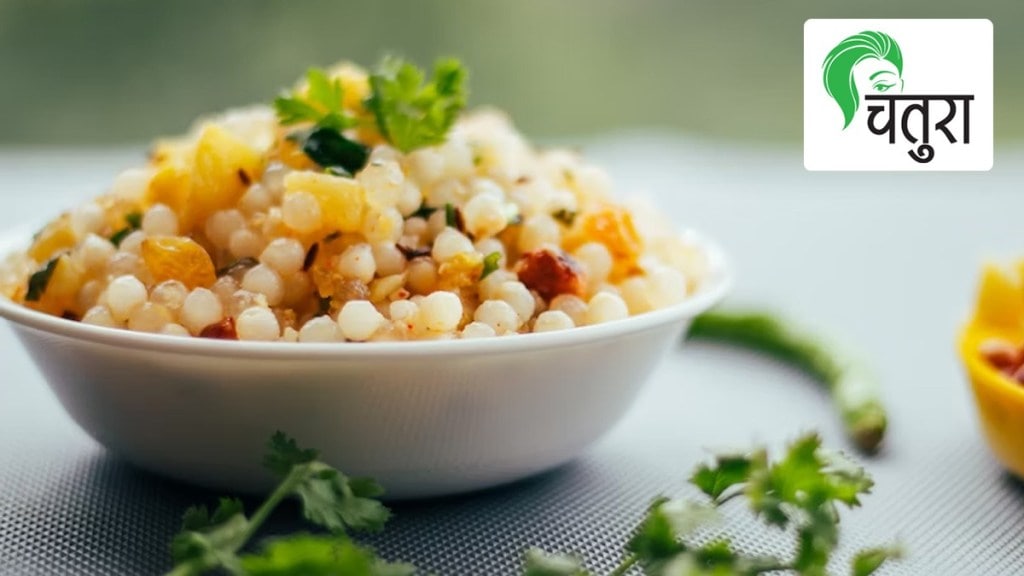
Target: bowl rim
{"points": [[715, 286]]}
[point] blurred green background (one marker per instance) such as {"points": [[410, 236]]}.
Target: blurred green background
{"points": [[112, 71]]}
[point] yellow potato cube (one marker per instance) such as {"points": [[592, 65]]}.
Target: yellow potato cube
{"points": [[342, 200], [222, 169], [213, 177], [56, 236]]}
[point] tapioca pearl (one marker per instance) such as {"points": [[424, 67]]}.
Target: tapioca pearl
{"points": [[124, 295], [100, 315], [132, 184], [357, 262], [666, 286], [450, 243], [415, 226], [301, 212], [245, 243], [596, 261], [224, 287], [132, 243], [382, 180], [95, 251], [635, 293], [256, 199], [320, 329], [410, 198], [174, 329], [284, 255], [383, 225], [552, 320], [257, 323], [441, 311], [537, 231], [497, 314], [87, 219], [477, 330], [573, 306], [605, 307], [221, 225], [264, 280], [488, 246], [149, 317], [388, 259], [421, 275], [490, 287], [518, 296], [201, 309], [124, 263], [484, 215], [359, 319], [160, 220]]}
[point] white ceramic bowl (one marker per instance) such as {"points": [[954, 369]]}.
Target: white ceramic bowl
{"points": [[423, 418]]}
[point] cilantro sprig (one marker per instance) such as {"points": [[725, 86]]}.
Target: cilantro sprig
{"points": [[411, 112], [803, 491], [322, 105], [213, 541]]}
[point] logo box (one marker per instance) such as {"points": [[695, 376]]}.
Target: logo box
{"points": [[901, 95]]}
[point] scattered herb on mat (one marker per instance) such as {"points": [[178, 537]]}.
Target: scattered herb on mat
{"points": [[802, 492], [212, 542], [854, 389]]}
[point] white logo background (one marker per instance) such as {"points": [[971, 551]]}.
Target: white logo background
{"points": [[939, 57]]}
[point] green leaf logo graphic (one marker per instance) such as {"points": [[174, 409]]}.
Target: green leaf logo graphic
{"points": [[865, 63]]}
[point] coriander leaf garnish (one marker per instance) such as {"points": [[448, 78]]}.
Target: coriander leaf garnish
{"points": [[320, 105], [324, 555], [329, 148], [134, 219], [491, 264], [539, 563], [564, 216], [292, 110], [423, 211], [210, 542], [867, 562], [802, 490], [38, 281], [329, 498], [728, 471], [410, 112], [283, 454], [451, 217]]}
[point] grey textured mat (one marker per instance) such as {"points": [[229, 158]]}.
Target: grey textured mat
{"points": [[891, 267]]}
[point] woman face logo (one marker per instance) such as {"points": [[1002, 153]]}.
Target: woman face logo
{"points": [[865, 63]]}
